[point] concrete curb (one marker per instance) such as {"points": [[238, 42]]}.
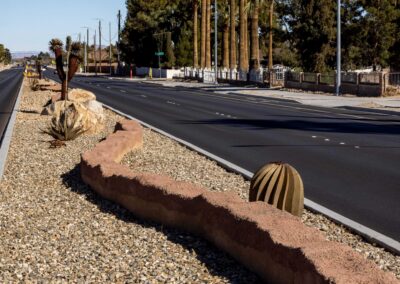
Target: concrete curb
{"points": [[369, 234], [268, 241], [5, 145]]}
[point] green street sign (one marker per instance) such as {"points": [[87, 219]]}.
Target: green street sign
{"points": [[159, 53]]}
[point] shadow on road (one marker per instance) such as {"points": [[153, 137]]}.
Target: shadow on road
{"points": [[302, 125]]}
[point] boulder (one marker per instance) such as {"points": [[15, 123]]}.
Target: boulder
{"points": [[92, 117], [79, 95]]}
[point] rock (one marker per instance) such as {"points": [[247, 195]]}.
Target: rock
{"points": [[79, 95], [92, 119], [97, 108]]}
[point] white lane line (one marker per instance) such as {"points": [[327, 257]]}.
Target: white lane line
{"points": [[144, 96], [313, 136], [122, 91], [368, 233], [357, 147], [108, 87], [342, 143], [327, 139]]}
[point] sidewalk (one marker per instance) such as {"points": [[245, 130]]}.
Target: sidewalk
{"points": [[306, 98]]}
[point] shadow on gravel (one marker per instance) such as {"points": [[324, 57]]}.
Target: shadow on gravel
{"points": [[217, 262]]}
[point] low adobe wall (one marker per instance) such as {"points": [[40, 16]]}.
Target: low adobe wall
{"points": [[270, 242]]}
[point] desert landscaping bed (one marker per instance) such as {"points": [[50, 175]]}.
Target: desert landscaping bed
{"points": [[53, 227]]}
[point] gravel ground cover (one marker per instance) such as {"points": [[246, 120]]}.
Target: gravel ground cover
{"points": [[162, 155], [53, 228]]}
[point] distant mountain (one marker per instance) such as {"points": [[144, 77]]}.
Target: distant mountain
{"points": [[22, 54]]}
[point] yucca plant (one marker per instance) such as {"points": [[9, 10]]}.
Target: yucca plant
{"points": [[55, 45], [73, 51], [67, 125], [280, 185]]}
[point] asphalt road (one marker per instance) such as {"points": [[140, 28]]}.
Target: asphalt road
{"points": [[349, 160], [10, 82]]}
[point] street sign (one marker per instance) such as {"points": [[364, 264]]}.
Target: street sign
{"points": [[159, 53]]}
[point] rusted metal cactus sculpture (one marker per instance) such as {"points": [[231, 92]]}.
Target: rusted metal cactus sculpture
{"points": [[56, 45], [280, 185]]}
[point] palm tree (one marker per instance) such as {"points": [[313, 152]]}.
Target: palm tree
{"points": [[203, 33], [224, 15], [242, 58], [195, 30], [271, 15], [254, 57], [208, 35], [232, 57]]}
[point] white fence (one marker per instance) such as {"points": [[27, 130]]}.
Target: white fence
{"points": [[155, 72]]}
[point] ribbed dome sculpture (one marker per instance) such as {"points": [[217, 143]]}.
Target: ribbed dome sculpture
{"points": [[280, 185]]}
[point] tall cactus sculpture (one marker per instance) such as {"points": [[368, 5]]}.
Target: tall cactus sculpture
{"points": [[280, 185]]}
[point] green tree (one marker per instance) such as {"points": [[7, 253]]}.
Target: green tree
{"points": [[312, 26], [379, 26]]}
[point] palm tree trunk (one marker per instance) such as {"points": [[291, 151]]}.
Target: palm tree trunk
{"points": [[246, 39], [271, 14], [208, 35], [225, 61], [255, 59], [195, 30], [232, 58], [242, 58], [203, 32]]}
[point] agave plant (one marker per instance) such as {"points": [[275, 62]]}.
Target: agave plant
{"points": [[67, 125]]}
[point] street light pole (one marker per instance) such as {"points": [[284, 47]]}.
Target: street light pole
{"points": [[216, 41], [86, 48], [338, 51]]}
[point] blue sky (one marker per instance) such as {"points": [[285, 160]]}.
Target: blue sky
{"points": [[28, 25]]}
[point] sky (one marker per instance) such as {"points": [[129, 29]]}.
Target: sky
{"points": [[28, 25]]}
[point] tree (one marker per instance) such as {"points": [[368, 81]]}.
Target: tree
{"points": [[255, 45], [7, 56], [55, 45], [312, 27], [242, 40], [208, 35], [379, 25], [223, 16], [232, 18], [195, 36]]}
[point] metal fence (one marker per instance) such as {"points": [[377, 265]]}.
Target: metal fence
{"points": [[370, 78], [394, 79], [293, 76], [349, 77], [327, 79], [310, 77]]}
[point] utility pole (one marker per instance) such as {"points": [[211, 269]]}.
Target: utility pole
{"points": [[109, 29], [270, 62], [86, 48], [216, 41], [85, 55], [100, 44], [94, 53], [338, 51], [119, 41]]}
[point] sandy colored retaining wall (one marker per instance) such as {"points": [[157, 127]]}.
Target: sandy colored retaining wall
{"points": [[270, 242]]}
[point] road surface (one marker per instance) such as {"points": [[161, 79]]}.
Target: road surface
{"points": [[349, 160], [10, 83]]}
